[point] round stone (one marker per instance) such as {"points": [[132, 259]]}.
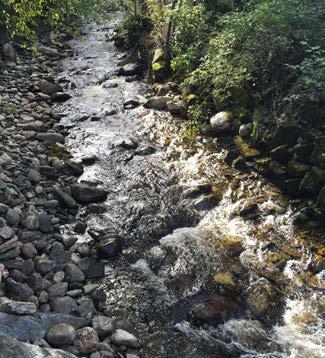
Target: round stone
{"points": [[61, 334]]}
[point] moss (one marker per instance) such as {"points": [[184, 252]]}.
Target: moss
{"points": [[57, 151]]}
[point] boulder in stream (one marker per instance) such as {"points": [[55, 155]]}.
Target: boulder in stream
{"points": [[85, 194]]}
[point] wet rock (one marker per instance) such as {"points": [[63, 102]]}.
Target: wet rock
{"points": [[64, 198], [60, 96], [17, 290], [84, 193], [65, 305], [75, 167], [80, 227], [126, 143], [321, 199], [109, 248], [92, 268], [124, 338], [9, 54], [158, 103], [73, 273], [86, 340], [10, 348], [16, 307], [130, 103], [61, 334], [281, 153], [49, 88], [130, 69], [214, 311], [50, 137], [285, 135], [313, 181], [222, 122], [207, 202], [23, 328], [103, 325], [297, 169], [89, 160], [245, 149]]}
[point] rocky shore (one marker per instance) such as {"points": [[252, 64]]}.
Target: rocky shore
{"points": [[51, 302]]}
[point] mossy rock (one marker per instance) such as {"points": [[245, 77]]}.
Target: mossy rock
{"points": [[245, 149], [281, 153], [285, 135], [224, 279], [318, 156], [158, 64], [313, 181], [58, 151], [296, 169], [278, 170]]}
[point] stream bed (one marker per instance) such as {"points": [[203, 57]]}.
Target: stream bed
{"points": [[212, 265]]}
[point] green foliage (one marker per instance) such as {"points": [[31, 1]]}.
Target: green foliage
{"points": [[21, 18]]}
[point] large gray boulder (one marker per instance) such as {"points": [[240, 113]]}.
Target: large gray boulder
{"points": [[11, 348]]}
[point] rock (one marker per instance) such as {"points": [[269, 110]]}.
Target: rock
{"points": [[103, 325], [80, 227], [60, 96], [45, 223], [23, 328], [177, 108], [28, 251], [50, 137], [132, 102], [126, 143], [16, 307], [158, 103], [89, 159], [297, 169], [58, 290], [86, 307], [73, 273], [109, 248], [65, 305], [245, 130], [8, 245], [30, 219], [18, 290], [61, 334], [13, 217], [34, 176], [6, 232], [86, 340], [207, 202], [214, 311], [313, 181], [222, 122], [321, 199], [11, 348], [65, 199], [5, 159], [75, 167], [44, 265], [84, 193], [240, 164], [49, 88], [9, 54], [281, 153], [285, 135], [124, 338], [51, 319], [92, 268], [246, 150], [130, 69]]}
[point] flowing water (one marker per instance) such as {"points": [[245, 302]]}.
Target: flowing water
{"points": [[212, 264]]}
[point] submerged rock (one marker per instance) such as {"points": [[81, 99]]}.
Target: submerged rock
{"points": [[85, 194]]}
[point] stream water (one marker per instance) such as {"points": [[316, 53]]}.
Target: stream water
{"points": [[212, 264]]}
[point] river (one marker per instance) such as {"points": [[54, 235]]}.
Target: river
{"points": [[212, 264]]}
